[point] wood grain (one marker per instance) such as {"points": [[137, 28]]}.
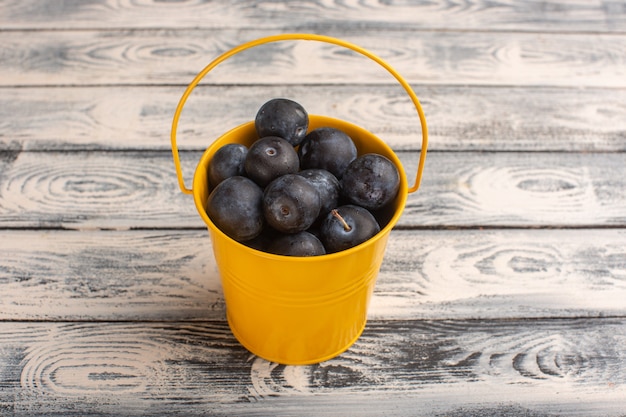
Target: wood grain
{"points": [[579, 16], [502, 274], [454, 274], [520, 189], [459, 118], [121, 190], [161, 275], [139, 57], [94, 190], [503, 286], [445, 366]]}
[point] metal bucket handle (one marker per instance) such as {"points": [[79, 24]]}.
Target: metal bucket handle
{"points": [[307, 37]]}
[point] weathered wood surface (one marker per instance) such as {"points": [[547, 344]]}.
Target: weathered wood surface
{"points": [[436, 274], [422, 367], [578, 16], [504, 284], [459, 117], [121, 190], [436, 57]]}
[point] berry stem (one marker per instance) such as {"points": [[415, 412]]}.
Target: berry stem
{"points": [[346, 226]]}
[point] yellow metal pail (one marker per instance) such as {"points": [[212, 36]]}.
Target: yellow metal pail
{"points": [[297, 310]]}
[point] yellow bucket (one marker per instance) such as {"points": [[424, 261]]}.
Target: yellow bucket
{"points": [[297, 310]]}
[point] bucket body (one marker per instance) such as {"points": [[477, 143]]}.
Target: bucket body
{"points": [[298, 310]]}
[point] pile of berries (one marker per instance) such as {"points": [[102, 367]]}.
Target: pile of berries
{"points": [[296, 193]]}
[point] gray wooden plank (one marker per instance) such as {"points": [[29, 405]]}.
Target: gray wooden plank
{"points": [[502, 274], [459, 117], [579, 16], [136, 275], [121, 190], [517, 368], [94, 190], [520, 189], [455, 274], [434, 57]]}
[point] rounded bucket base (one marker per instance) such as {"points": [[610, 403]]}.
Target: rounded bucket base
{"points": [[281, 359]]}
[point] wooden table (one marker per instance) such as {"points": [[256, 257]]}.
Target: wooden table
{"points": [[503, 290]]}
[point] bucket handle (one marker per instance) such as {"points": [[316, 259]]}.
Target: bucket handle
{"points": [[307, 37]]}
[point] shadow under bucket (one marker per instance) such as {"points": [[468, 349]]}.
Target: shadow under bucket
{"points": [[298, 310]]}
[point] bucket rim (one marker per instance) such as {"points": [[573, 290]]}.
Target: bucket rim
{"points": [[403, 192]]}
